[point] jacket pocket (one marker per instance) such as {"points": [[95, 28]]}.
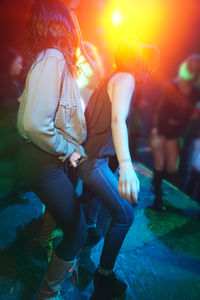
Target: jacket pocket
{"points": [[65, 113]]}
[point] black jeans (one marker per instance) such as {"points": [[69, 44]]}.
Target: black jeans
{"points": [[46, 177]]}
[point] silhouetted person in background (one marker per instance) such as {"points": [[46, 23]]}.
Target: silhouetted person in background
{"points": [[190, 154], [10, 90], [174, 109]]}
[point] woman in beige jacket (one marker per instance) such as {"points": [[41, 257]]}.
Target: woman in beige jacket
{"points": [[52, 124]]}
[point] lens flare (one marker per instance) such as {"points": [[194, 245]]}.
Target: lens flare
{"points": [[116, 17]]}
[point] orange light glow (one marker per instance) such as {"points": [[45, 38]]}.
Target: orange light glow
{"points": [[141, 18]]}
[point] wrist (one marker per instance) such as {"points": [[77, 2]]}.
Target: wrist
{"points": [[125, 169], [125, 163]]}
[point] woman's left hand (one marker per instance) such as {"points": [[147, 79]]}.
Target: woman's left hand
{"points": [[74, 159], [129, 184]]}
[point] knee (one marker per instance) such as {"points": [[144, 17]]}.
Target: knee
{"points": [[75, 239], [126, 216]]}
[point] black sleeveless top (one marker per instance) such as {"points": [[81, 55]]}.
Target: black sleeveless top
{"points": [[176, 107], [99, 142]]}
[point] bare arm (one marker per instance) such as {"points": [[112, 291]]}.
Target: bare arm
{"points": [[123, 86]]}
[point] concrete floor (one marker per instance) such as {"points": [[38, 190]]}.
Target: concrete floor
{"points": [[159, 260]]}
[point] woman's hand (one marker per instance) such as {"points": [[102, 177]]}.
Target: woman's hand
{"points": [[129, 184], [74, 159]]}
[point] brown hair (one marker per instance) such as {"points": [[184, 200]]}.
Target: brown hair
{"points": [[136, 57], [51, 25]]}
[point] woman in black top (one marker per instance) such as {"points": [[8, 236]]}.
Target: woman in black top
{"points": [[106, 115], [174, 109]]}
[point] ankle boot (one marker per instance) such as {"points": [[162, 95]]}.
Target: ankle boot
{"points": [[107, 286], [157, 182], [54, 277]]}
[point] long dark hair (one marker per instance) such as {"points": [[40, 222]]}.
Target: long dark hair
{"points": [[50, 25]]}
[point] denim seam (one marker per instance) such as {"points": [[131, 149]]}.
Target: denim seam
{"points": [[122, 207]]}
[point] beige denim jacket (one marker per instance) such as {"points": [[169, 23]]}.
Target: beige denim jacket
{"points": [[50, 113]]}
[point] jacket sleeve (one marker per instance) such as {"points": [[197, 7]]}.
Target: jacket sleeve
{"points": [[42, 98]]}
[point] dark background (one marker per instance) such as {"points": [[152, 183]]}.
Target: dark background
{"points": [[178, 37]]}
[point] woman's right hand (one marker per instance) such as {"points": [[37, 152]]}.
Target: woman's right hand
{"points": [[129, 184], [74, 159]]}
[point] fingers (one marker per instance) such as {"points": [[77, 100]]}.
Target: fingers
{"points": [[74, 159], [74, 164], [134, 195], [135, 191], [129, 190], [76, 155], [125, 191]]}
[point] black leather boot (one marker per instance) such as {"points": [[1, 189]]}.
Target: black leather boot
{"points": [[157, 182], [107, 286]]}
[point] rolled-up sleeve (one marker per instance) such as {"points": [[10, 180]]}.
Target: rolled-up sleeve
{"points": [[42, 98]]}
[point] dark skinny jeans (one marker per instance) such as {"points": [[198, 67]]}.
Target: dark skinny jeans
{"points": [[98, 177], [45, 175]]}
